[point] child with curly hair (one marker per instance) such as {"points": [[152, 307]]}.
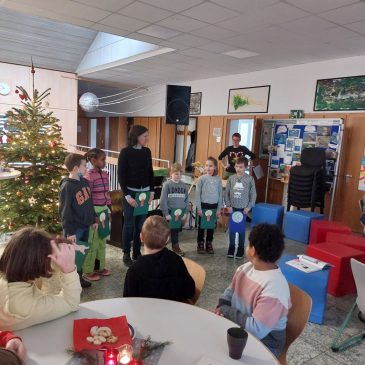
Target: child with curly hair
{"points": [[258, 299]]}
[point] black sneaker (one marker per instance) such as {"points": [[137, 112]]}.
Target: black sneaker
{"points": [[209, 247], [200, 247], [135, 255], [127, 260], [84, 283]]}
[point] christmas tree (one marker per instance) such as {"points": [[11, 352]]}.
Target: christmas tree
{"points": [[32, 143]]}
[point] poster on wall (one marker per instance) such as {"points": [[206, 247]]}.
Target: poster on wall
{"points": [[343, 93], [195, 103], [249, 100], [362, 175]]}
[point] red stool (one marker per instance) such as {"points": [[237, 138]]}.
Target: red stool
{"points": [[319, 229], [350, 240], [341, 282]]}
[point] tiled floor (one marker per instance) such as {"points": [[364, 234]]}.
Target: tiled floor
{"points": [[312, 347]]}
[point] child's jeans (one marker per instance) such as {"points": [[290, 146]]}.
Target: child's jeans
{"points": [[210, 232], [132, 227], [241, 237]]}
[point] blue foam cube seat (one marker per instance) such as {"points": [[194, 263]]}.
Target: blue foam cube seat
{"points": [[314, 284], [297, 224], [267, 213]]}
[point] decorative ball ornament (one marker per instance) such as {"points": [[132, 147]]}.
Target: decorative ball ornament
{"points": [[89, 102], [19, 194]]}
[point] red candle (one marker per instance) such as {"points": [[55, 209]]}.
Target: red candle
{"points": [[111, 357]]}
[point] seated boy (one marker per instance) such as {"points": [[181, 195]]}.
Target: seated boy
{"points": [[258, 298], [159, 273]]}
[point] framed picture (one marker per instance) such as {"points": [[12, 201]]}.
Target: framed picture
{"points": [[344, 93], [249, 100], [195, 103]]}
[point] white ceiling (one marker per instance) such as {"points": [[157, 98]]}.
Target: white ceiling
{"points": [[283, 33]]}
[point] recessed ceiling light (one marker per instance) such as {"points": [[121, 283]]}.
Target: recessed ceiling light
{"points": [[159, 32], [241, 53]]}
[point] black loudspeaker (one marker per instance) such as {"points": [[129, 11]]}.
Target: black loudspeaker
{"points": [[177, 104]]}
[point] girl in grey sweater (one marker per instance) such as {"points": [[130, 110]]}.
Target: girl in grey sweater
{"points": [[208, 196]]}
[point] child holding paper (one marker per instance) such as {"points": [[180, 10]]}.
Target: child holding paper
{"points": [[174, 201], [76, 207], [240, 196], [99, 186], [208, 199]]}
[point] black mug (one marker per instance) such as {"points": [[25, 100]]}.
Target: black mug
{"points": [[236, 339]]}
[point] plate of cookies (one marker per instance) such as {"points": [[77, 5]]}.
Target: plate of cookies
{"points": [[97, 333]]}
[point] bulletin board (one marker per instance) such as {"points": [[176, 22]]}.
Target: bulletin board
{"points": [[290, 136]]}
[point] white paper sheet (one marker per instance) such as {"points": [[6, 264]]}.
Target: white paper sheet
{"points": [[258, 171]]}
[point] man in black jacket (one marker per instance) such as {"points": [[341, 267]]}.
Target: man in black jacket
{"points": [[233, 152]]}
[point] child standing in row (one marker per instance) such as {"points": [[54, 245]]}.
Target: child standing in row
{"points": [[240, 195], [99, 186], [76, 207], [174, 196], [208, 196]]}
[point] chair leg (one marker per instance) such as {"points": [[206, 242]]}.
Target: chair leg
{"points": [[352, 341]]}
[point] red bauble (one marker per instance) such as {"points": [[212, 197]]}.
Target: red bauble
{"points": [[53, 144]]}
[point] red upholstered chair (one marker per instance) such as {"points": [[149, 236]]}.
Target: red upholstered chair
{"points": [[350, 240], [320, 228], [341, 281]]}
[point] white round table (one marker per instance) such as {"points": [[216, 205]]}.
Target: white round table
{"points": [[195, 332]]}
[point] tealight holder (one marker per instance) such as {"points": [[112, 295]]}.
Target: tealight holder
{"points": [[126, 355]]}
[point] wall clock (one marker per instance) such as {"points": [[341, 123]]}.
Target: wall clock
{"points": [[4, 88]]}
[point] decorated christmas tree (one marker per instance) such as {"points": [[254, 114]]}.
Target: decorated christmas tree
{"points": [[32, 144]]}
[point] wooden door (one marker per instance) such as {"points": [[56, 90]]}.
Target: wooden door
{"points": [[100, 133], [118, 131], [83, 131], [154, 128], [216, 144], [202, 139], [347, 195]]}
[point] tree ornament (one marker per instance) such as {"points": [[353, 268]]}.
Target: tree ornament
{"points": [[32, 201], [19, 194], [21, 96], [89, 102]]}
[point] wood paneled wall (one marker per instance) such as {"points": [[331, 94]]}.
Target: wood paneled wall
{"points": [[118, 133], [346, 198]]}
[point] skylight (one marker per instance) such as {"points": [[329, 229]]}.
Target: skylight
{"points": [[108, 50]]}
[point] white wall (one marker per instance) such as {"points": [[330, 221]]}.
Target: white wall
{"points": [[291, 87], [62, 100]]}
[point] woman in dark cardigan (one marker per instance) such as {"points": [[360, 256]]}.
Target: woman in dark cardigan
{"points": [[135, 175]]}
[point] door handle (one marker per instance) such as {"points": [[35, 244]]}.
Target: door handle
{"points": [[348, 176]]}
